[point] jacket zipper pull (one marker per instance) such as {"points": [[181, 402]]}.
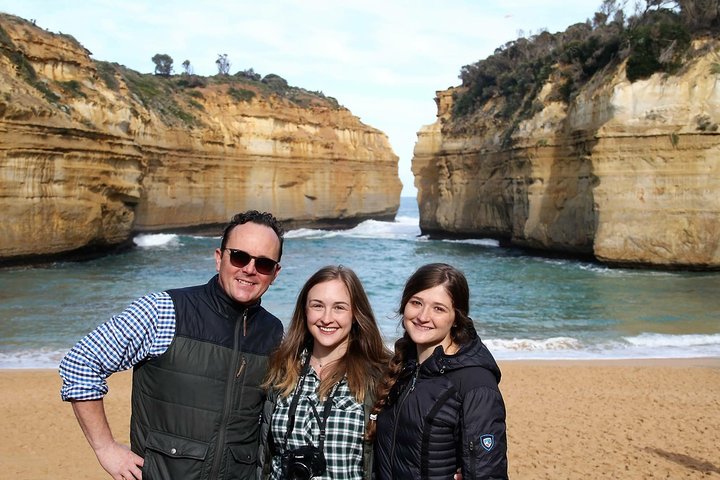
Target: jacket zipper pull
{"points": [[415, 376], [242, 367], [245, 323]]}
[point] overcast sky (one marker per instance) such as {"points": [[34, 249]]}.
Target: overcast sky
{"points": [[382, 59]]}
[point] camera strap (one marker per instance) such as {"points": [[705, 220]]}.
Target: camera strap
{"points": [[326, 413], [322, 422]]}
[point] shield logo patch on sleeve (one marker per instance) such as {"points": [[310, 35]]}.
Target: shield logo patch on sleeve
{"points": [[487, 441]]}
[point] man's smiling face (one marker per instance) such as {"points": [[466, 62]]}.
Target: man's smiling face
{"points": [[245, 284]]}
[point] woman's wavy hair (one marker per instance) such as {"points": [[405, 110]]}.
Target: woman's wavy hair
{"points": [[462, 331], [366, 355]]}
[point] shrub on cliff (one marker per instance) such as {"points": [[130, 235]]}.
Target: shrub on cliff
{"points": [[108, 73], [249, 74], [241, 94], [159, 94], [191, 81], [275, 82], [73, 88], [657, 44]]}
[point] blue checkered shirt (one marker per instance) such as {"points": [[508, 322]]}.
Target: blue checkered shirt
{"points": [[144, 329], [343, 432]]}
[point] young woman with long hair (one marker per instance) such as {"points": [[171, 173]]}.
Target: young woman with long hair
{"points": [[322, 380], [439, 411]]}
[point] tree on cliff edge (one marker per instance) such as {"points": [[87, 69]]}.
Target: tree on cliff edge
{"points": [[163, 64], [223, 64], [187, 68]]}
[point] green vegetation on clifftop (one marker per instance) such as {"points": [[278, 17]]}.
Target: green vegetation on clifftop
{"points": [[173, 97], [655, 39]]}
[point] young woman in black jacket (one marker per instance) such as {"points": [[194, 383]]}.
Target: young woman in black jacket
{"points": [[439, 411]]}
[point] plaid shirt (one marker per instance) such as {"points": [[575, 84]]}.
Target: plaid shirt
{"points": [[343, 432], [144, 329]]}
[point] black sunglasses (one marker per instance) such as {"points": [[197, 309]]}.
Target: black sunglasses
{"points": [[240, 259]]}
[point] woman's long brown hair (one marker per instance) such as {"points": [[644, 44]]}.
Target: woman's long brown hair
{"points": [[425, 277], [366, 355]]}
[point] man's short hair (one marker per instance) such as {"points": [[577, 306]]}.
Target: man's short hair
{"points": [[261, 218]]}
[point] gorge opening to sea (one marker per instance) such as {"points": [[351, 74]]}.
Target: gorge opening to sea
{"points": [[524, 307]]}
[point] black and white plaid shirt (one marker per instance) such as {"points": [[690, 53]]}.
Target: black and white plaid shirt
{"points": [[343, 433]]}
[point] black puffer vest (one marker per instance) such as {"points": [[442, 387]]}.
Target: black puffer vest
{"points": [[196, 407]]}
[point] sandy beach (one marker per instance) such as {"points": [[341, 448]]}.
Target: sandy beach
{"points": [[643, 419]]}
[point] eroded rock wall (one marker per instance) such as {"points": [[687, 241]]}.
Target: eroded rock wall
{"points": [[83, 165], [628, 172]]}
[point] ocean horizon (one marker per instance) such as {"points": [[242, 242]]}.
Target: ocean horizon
{"points": [[525, 307]]}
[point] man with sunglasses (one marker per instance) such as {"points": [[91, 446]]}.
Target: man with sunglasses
{"points": [[199, 356]]}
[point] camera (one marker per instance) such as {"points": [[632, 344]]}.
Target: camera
{"points": [[303, 463]]}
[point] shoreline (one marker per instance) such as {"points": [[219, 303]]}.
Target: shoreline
{"points": [[712, 362], [567, 419], [708, 361]]}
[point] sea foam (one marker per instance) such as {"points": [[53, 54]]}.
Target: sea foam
{"points": [[645, 345], [156, 240], [401, 228]]}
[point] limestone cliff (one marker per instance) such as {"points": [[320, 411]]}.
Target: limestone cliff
{"points": [[91, 152], [627, 172]]}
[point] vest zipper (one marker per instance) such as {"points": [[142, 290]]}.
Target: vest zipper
{"points": [[227, 406], [241, 369], [243, 361], [399, 406]]}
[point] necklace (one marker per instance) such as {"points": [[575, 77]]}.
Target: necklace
{"points": [[317, 361]]}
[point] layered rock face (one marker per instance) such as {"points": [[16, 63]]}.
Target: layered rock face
{"points": [[628, 172], [84, 165]]}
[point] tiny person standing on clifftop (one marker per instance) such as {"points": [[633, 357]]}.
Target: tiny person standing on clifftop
{"points": [[199, 355]]}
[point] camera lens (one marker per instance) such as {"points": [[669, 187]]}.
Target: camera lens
{"points": [[299, 471]]}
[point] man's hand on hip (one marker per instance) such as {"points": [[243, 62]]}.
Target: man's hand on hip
{"points": [[120, 462]]}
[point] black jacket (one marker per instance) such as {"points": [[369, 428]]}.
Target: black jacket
{"points": [[444, 414], [197, 406]]}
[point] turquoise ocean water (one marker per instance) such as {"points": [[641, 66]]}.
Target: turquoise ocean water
{"points": [[524, 307]]}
